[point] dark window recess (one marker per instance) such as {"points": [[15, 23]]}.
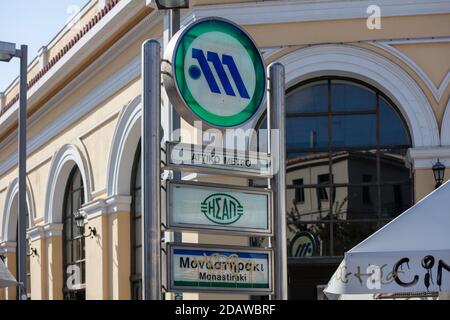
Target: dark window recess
{"points": [[366, 190], [135, 232], [398, 199], [322, 194], [299, 191], [74, 256]]}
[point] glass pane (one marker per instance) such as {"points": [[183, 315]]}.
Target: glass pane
{"points": [[396, 198], [354, 130], [356, 202], [393, 130], [309, 210], [352, 166], [76, 250], [76, 180], [82, 266], [349, 234], [306, 132], [311, 97], [392, 165], [137, 232], [138, 175], [137, 203], [68, 252], [347, 96], [138, 260], [309, 240]]}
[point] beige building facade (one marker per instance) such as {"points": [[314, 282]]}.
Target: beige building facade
{"points": [[344, 77]]}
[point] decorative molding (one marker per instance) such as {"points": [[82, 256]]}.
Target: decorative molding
{"points": [[63, 162], [123, 149], [78, 110], [425, 158], [105, 90], [377, 70], [288, 11], [8, 247], [445, 129], [11, 209], [53, 230], [437, 92], [45, 231], [118, 204], [106, 206], [36, 233]]}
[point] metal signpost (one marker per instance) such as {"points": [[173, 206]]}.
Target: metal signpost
{"points": [[214, 73], [151, 170]]}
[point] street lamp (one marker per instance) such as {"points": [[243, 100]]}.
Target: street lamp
{"points": [[438, 172], [7, 52], [172, 4], [79, 221]]}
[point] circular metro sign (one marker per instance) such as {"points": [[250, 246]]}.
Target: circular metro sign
{"points": [[214, 72]]}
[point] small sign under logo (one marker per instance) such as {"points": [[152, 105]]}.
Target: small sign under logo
{"points": [[198, 158]]}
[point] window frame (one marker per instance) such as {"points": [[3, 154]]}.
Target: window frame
{"points": [[330, 149], [80, 291], [135, 278]]}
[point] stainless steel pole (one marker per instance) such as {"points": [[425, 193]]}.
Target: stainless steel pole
{"points": [[277, 121], [151, 170], [174, 119], [22, 216]]}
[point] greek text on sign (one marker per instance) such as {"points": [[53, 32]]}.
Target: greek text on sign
{"points": [[214, 72], [198, 158], [197, 268], [218, 208]]}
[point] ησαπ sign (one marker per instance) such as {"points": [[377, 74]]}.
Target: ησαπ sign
{"points": [[219, 208]]}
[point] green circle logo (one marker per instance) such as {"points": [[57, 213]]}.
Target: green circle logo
{"points": [[222, 209], [217, 73]]}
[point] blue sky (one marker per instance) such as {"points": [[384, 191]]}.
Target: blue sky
{"points": [[31, 22]]}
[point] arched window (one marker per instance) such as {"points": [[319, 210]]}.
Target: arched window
{"points": [[346, 176], [136, 231], [73, 240], [28, 262]]}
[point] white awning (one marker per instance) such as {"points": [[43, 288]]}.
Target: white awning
{"points": [[6, 278], [410, 254]]}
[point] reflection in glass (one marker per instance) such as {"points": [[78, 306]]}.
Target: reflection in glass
{"points": [[349, 96], [309, 98], [341, 191]]}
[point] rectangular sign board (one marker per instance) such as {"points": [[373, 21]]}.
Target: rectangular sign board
{"points": [[207, 159], [198, 268], [218, 208]]}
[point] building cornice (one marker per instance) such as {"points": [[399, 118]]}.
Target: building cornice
{"points": [[425, 158], [289, 11], [108, 88], [8, 247], [102, 207]]}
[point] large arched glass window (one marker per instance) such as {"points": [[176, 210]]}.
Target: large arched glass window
{"points": [[73, 240], [346, 177], [346, 174], [136, 234]]}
